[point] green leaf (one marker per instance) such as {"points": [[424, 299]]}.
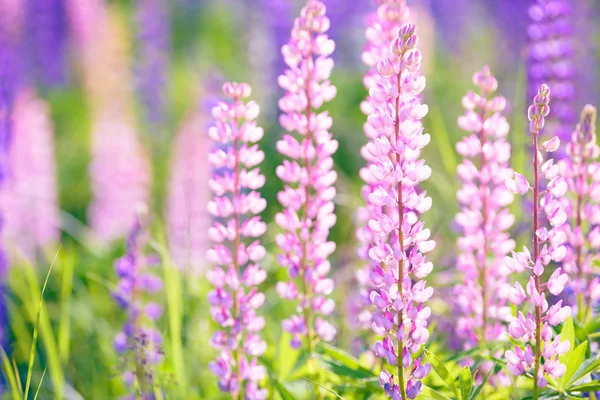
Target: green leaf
{"points": [[282, 390], [428, 393], [586, 387], [572, 361], [442, 371], [479, 388], [324, 388], [466, 383], [342, 363], [588, 366], [9, 373], [568, 331]]}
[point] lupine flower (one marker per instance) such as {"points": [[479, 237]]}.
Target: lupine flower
{"points": [[29, 194], [120, 177], [548, 245], [139, 342], [551, 60], [382, 29], [237, 251], [47, 26], [189, 195], [484, 217], [581, 169], [308, 176], [400, 239], [154, 46]]}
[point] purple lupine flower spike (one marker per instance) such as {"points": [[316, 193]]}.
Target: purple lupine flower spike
{"points": [[401, 241], [382, 29], [484, 218], [551, 61], [29, 196], [236, 250], [48, 29], [153, 63], [535, 326], [139, 343], [308, 176], [581, 169]]}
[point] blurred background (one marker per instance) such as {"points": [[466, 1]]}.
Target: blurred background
{"points": [[107, 103]]}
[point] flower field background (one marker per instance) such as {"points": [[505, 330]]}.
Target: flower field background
{"points": [[403, 201]]}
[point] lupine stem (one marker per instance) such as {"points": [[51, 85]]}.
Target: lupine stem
{"points": [[236, 245], [401, 241], [538, 308]]}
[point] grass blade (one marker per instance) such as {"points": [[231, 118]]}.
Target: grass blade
{"points": [[10, 376], [36, 328], [37, 392], [64, 327]]}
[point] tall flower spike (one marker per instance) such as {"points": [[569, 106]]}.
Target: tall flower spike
{"points": [[120, 177], [551, 60], [29, 196], [153, 63], [548, 245], [237, 251], [484, 217], [189, 194], [400, 239], [382, 29], [139, 342], [308, 175], [581, 169]]}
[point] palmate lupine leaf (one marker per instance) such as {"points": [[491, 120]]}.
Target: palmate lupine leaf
{"points": [[572, 360]]}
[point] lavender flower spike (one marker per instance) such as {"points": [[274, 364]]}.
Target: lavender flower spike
{"points": [[581, 170], [484, 217], [551, 60], [308, 176], [401, 240], [237, 251], [548, 245], [138, 343]]}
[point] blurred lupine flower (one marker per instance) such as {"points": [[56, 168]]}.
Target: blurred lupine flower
{"points": [[581, 169], [153, 57], [278, 17], [120, 177], [308, 176], [400, 239], [139, 343], [548, 246], [29, 194], [189, 194], [382, 28], [484, 218], [237, 251], [551, 60], [46, 22]]}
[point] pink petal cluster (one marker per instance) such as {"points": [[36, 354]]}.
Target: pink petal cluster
{"points": [[581, 170], [382, 29], [236, 249], [484, 218], [120, 177], [400, 238], [29, 195], [308, 177], [188, 222], [548, 246]]}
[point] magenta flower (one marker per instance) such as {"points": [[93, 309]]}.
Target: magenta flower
{"points": [[188, 220], [382, 29], [548, 245], [120, 177], [484, 218], [400, 238], [139, 343], [581, 171], [308, 176], [29, 196], [236, 250]]}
